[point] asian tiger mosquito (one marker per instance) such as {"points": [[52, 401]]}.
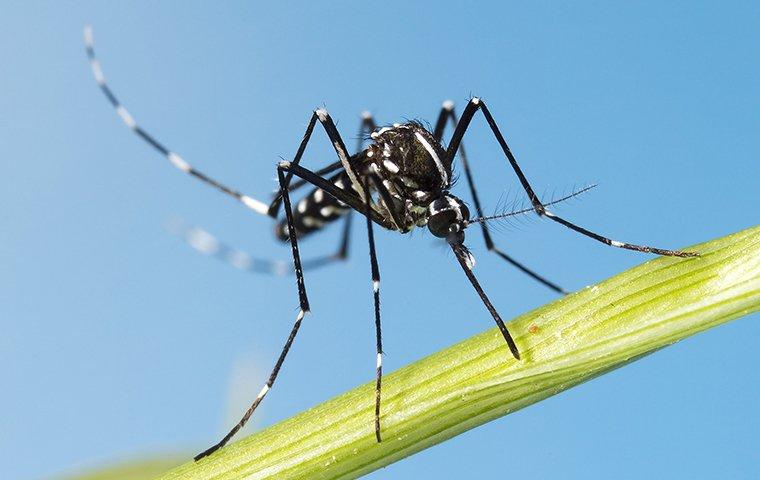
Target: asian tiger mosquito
{"points": [[402, 180]]}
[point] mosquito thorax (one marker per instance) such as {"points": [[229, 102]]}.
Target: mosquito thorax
{"points": [[409, 155], [447, 218]]}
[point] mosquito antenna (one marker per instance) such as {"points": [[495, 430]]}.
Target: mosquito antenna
{"points": [[522, 211]]}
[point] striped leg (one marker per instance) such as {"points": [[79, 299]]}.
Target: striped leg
{"points": [[344, 158], [371, 216], [350, 198], [366, 127], [304, 304], [448, 113], [178, 162], [207, 244], [376, 292], [476, 104]]}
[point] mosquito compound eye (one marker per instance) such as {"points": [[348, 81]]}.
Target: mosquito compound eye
{"points": [[440, 224]]}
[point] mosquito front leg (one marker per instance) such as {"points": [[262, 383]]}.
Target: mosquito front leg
{"points": [[476, 104], [448, 113], [304, 309]]}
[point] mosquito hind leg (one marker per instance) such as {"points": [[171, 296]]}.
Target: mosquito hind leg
{"points": [[173, 158]]}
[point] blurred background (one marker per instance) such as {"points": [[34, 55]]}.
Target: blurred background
{"points": [[119, 341]]}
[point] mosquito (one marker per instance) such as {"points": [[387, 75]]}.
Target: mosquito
{"points": [[400, 181]]}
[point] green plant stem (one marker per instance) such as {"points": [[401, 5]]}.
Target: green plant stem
{"points": [[567, 342]]}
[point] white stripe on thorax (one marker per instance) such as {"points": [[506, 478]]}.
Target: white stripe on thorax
{"points": [[431, 151]]}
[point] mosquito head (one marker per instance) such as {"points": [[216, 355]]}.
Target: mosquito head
{"points": [[447, 218]]}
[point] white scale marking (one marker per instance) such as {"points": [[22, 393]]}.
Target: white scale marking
{"points": [[615, 243], [282, 268], [263, 392], [454, 206], [327, 211], [448, 105], [178, 162], [319, 195], [312, 222], [255, 205], [390, 166], [387, 151], [379, 361], [470, 261], [202, 241], [97, 72], [376, 285], [126, 117], [303, 205], [431, 151], [240, 260], [88, 35]]}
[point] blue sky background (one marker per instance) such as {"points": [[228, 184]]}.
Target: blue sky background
{"points": [[118, 340]]}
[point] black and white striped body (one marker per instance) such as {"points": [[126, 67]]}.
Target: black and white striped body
{"points": [[409, 162], [315, 210]]}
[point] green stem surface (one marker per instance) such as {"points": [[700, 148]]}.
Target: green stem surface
{"points": [[565, 343]]}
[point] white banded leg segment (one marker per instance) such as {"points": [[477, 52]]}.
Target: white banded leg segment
{"points": [[376, 296], [618, 244], [177, 161], [207, 244], [263, 392], [256, 205], [340, 149], [469, 260], [202, 241], [97, 72], [126, 117]]}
